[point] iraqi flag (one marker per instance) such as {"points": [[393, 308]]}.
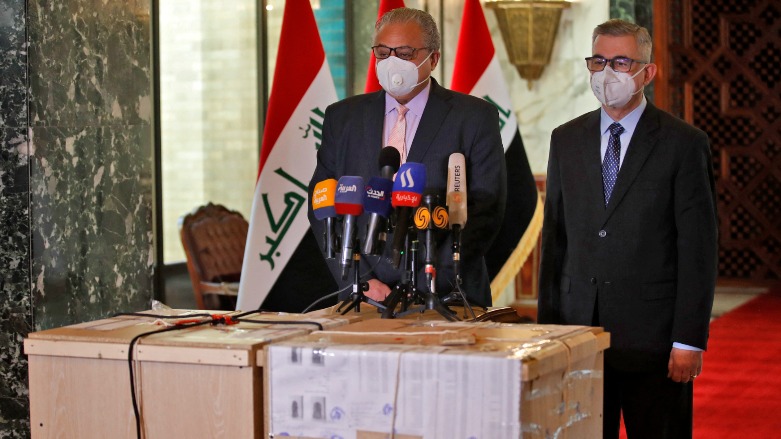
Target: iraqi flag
{"points": [[477, 72], [372, 84], [279, 241]]}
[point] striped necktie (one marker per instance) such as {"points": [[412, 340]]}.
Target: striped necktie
{"points": [[612, 160], [398, 134]]}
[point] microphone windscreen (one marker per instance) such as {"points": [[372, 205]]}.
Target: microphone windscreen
{"points": [[349, 196], [377, 197], [389, 156], [409, 184], [323, 199], [456, 189]]}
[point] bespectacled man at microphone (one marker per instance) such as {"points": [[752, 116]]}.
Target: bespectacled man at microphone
{"points": [[629, 240], [427, 123]]}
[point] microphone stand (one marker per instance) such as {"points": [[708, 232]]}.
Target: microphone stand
{"points": [[357, 295], [427, 300], [329, 238], [401, 293], [458, 293]]}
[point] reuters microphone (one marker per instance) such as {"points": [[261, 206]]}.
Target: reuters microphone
{"points": [[377, 202], [456, 201], [407, 191], [324, 210], [349, 194]]}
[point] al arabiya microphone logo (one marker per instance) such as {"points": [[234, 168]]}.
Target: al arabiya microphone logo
{"points": [[406, 178], [343, 188]]}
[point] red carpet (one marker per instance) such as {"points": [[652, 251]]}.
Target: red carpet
{"points": [[738, 394]]}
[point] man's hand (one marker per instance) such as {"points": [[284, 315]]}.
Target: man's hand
{"points": [[377, 290], [684, 365]]}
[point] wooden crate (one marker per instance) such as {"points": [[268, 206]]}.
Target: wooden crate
{"points": [[200, 382]]}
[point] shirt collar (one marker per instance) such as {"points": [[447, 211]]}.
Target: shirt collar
{"points": [[416, 105], [629, 122]]}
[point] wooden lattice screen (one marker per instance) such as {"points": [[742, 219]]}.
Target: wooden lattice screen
{"points": [[720, 69]]}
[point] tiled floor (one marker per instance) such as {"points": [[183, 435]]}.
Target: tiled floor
{"points": [[729, 298]]}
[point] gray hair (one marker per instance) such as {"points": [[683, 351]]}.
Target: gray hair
{"points": [[427, 25], [619, 28]]}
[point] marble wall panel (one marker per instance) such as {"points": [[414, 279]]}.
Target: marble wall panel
{"points": [[15, 298], [91, 159], [91, 209], [90, 63], [13, 64]]}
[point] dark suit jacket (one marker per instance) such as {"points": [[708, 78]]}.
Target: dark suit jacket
{"points": [[646, 264], [451, 122]]}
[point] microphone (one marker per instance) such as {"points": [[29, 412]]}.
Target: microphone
{"points": [[324, 210], [456, 202], [407, 191], [428, 217], [378, 203], [389, 162], [349, 191]]}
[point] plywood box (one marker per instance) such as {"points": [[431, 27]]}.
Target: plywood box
{"points": [[199, 382], [429, 379]]}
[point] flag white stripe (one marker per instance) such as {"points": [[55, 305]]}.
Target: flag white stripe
{"points": [[289, 166], [492, 84]]}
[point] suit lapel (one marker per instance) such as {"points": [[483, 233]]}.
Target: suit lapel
{"points": [[592, 159], [643, 141], [437, 109], [373, 122]]}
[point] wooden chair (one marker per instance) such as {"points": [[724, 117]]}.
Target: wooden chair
{"points": [[213, 238]]}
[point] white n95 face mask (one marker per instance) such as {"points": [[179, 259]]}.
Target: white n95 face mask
{"points": [[614, 89], [398, 77]]}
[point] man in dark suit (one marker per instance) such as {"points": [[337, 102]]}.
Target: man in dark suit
{"points": [[630, 239], [435, 122]]}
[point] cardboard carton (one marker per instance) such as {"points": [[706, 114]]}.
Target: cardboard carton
{"points": [[432, 379]]}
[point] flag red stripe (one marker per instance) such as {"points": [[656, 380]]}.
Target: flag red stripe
{"points": [[475, 48], [300, 58], [372, 84]]}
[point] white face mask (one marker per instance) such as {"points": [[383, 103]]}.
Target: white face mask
{"points": [[398, 77], [614, 89]]}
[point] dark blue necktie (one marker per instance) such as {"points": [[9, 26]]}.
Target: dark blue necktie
{"points": [[612, 160]]}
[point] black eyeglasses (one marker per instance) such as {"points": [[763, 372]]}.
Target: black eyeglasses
{"points": [[404, 52], [619, 63]]}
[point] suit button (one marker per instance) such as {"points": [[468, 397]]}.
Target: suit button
{"points": [[602, 233], [593, 281]]}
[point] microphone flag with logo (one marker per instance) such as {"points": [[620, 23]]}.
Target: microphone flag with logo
{"points": [[303, 87], [477, 72], [349, 204], [377, 202], [372, 84], [324, 210], [407, 192]]}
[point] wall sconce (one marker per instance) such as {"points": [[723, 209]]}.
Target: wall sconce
{"points": [[528, 29]]}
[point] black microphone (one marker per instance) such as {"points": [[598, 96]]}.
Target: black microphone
{"points": [[389, 162], [377, 201], [456, 202], [430, 216]]}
